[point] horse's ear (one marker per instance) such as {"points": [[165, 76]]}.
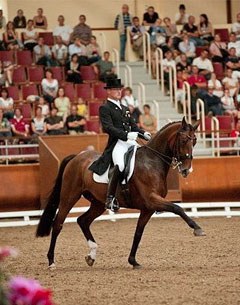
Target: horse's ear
{"points": [[196, 124], [184, 123]]}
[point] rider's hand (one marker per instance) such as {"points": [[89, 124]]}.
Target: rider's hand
{"points": [[132, 135], [147, 136]]}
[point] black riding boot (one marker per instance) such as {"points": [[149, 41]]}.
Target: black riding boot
{"points": [[111, 202]]}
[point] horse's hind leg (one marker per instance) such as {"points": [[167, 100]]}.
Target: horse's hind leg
{"points": [[84, 221]]}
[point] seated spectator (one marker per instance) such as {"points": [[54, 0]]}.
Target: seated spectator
{"points": [[205, 28], [167, 63], [197, 79], [228, 104], [19, 126], [104, 68], [60, 52], [73, 70], [75, 122], [38, 124], [78, 48], [42, 53], [30, 36], [182, 76], [2, 21], [19, 21], [183, 63], [54, 123], [216, 85], [170, 46], [132, 103], [6, 73], [42, 103], [136, 34], [6, 104], [218, 49], [181, 17], [230, 82], [171, 31], [94, 52], [204, 64], [148, 121], [40, 21], [191, 29], [82, 31], [10, 37], [82, 109], [232, 61], [187, 46], [236, 27], [5, 126], [150, 17], [49, 87], [234, 43], [63, 30], [157, 33], [212, 103], [62, 103]]}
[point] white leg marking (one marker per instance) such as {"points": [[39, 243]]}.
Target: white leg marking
{"points": [[191, 169], [93, 249]]}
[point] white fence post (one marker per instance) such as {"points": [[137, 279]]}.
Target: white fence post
{"points": [[115, 56]]}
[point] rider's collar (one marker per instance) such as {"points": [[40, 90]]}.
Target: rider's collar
{"points": [[115, 102]]}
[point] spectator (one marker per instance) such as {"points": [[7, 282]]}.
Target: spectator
{"points": [[132, 103], [30, 36], [213, 103], [10, 37], [197, 79], [233, 61], [40, 21], [19, 21], [63, 30], [204, 64], [182, 76], [218, 49], [38, 124], [82, 31], [236, 27], [5, 126], [205, 28], [2, 20], [171, 31], [182, 63], [122, 21], [191, 29], [6, 104], [216, 85], [82, 109], [43, 104], [49, 87], [59, 52], [147, 120], [62, 103], [230, 83], [228, 104], [157, 34], [150, 17], [136, 34], [104, 68], [19, 126], [73, 70], [94, 52], [54, 123], [78, 48], [233, 43], [75, 123], [187, 46], [181, 17], [42, 53], [6, 73], [167, 63]]}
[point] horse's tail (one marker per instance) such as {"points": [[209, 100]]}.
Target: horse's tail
{"points": [[47, 218]]}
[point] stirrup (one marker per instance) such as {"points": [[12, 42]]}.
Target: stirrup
{"points": [[112, 204]]}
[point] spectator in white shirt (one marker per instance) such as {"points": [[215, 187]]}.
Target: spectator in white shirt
{"points": [[230, 83], [188, 47], [63, 30], [204, 64], [60, 51], [216, 85], [181, 17], [78, 48], [167, 63], [228, 104], [49, 87], [236, 27], [42, 53], [233, 43]]}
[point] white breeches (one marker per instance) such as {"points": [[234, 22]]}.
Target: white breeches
{"points": [[119, 150]]}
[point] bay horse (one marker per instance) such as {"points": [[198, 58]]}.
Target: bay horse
{"points": [[171, 146]]}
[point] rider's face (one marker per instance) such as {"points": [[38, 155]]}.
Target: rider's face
{"points": [[115, 93]]}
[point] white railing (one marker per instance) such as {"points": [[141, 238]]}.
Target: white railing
{"points": [[147, 52], [200, 112], [215, 135], [128, 76], [141, 94], [159, 68], [194, 209], [115, 57], [173, 86], [157, 113], [103, 41], [187, 102]]}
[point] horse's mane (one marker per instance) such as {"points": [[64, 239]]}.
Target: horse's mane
{"points": [[167, 125]]}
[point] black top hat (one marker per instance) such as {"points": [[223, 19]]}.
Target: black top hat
{"points": [[113, 83]]}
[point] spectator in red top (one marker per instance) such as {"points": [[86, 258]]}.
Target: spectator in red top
{"points": [[19, 126], [197, 79]]}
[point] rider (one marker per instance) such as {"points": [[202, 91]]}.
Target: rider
{"points": [[123, 132]]}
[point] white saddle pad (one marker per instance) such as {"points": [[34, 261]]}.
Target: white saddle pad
{"points": [[104, 177]]}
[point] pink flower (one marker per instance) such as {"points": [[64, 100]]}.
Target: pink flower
{"points": [[7, 251]]}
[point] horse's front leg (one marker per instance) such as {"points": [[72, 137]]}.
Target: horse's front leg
{"points": [[160, 204], [143, 219]]}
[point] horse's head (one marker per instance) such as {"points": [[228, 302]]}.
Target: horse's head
{"points": [[183, 147]]}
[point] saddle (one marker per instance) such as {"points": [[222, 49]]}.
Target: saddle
{"points": [[127, 162]]}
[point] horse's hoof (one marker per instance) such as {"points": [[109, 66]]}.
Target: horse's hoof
{"points": [[137, 266], [52, 266], [89, 260], [199, 232]]}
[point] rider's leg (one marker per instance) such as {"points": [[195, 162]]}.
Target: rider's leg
{"points": [[111, 202]]}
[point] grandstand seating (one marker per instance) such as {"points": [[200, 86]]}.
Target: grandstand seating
{"points": [[93, 109], [84, 91], [69, 91], [13, 91], [7, 56], [19, 75], [48, 38], [24, 58], [99, 92], [29, 89], [58, 73], [35, 74], [218, 70], [224, 33], [93, 125], [88, 74]]}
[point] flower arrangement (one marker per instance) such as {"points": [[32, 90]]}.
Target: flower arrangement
{"points": [[19, 290]]}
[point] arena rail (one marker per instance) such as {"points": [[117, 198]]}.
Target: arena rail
{"points": [[141, 94], [115, 56], [199, 209], [128, 76], [159, 68], [187, 102], [173, 86], [147, 52]]}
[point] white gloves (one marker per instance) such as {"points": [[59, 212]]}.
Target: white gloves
{"points": [[147, 136], [132, 136]]}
